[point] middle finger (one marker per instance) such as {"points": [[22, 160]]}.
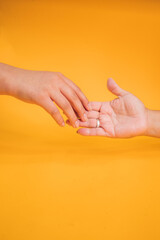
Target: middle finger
{"points": [[75, 102]]}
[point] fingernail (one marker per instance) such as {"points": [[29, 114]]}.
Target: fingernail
{"points": [[63, 124], [89, 106], [76, 124], [85, 117]]}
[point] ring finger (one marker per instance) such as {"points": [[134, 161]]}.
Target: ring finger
{"points": [[75, 102], [64, 104]]}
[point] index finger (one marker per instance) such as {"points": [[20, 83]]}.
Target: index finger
{"points": [[78, 91], [95, 106]]}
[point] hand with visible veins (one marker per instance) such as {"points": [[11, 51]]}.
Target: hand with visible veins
{"points": [[124, 117], [46, 89]]}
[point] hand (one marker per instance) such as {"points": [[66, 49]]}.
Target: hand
{"points": [[47, 89], [124, 117]]}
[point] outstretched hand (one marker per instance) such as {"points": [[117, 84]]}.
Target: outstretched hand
{"points": [[46, 89], [125, 116]]}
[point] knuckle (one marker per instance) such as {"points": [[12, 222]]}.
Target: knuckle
{"points": [[54, 77], [43, 93], [51, 75], [40, 98]]}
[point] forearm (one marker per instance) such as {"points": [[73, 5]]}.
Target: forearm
{"points": [[11, 80], [6, 79], [153, 119]]}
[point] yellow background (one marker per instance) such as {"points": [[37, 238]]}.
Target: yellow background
{"points": [[55, 184]]}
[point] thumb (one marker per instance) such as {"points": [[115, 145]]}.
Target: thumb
{"points": [[114, 88]]}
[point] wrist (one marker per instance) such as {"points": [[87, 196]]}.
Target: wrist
{"points": [[148, 122], [153, 123]]}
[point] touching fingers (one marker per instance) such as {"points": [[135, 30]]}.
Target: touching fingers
{"points": [[75, 102], [64, 104], [78, 91], [95, 106], [90, 123], [83, 98], [92, 117], [92, 114]]}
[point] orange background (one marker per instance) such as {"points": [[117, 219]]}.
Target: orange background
{"points": [[55, 184]]}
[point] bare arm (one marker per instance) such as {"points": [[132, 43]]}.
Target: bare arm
{"points": [[153, 129], [4, 76], [46, 89]]}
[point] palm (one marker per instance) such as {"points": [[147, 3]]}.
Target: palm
{"points": [[125, 116]]}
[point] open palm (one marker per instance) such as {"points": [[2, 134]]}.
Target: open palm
{"points": [[125, 116]]}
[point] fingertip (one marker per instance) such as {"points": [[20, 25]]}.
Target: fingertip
{"points": [[85, 105], [77, 124], [83, 99], [114, 88], [89, 107], [83, 131], [59, 120], [63, 124], [85, 117], [79, 132], [110, 81]]}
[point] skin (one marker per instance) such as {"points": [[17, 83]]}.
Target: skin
{"points": [[124, 117], [46, 89]]}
